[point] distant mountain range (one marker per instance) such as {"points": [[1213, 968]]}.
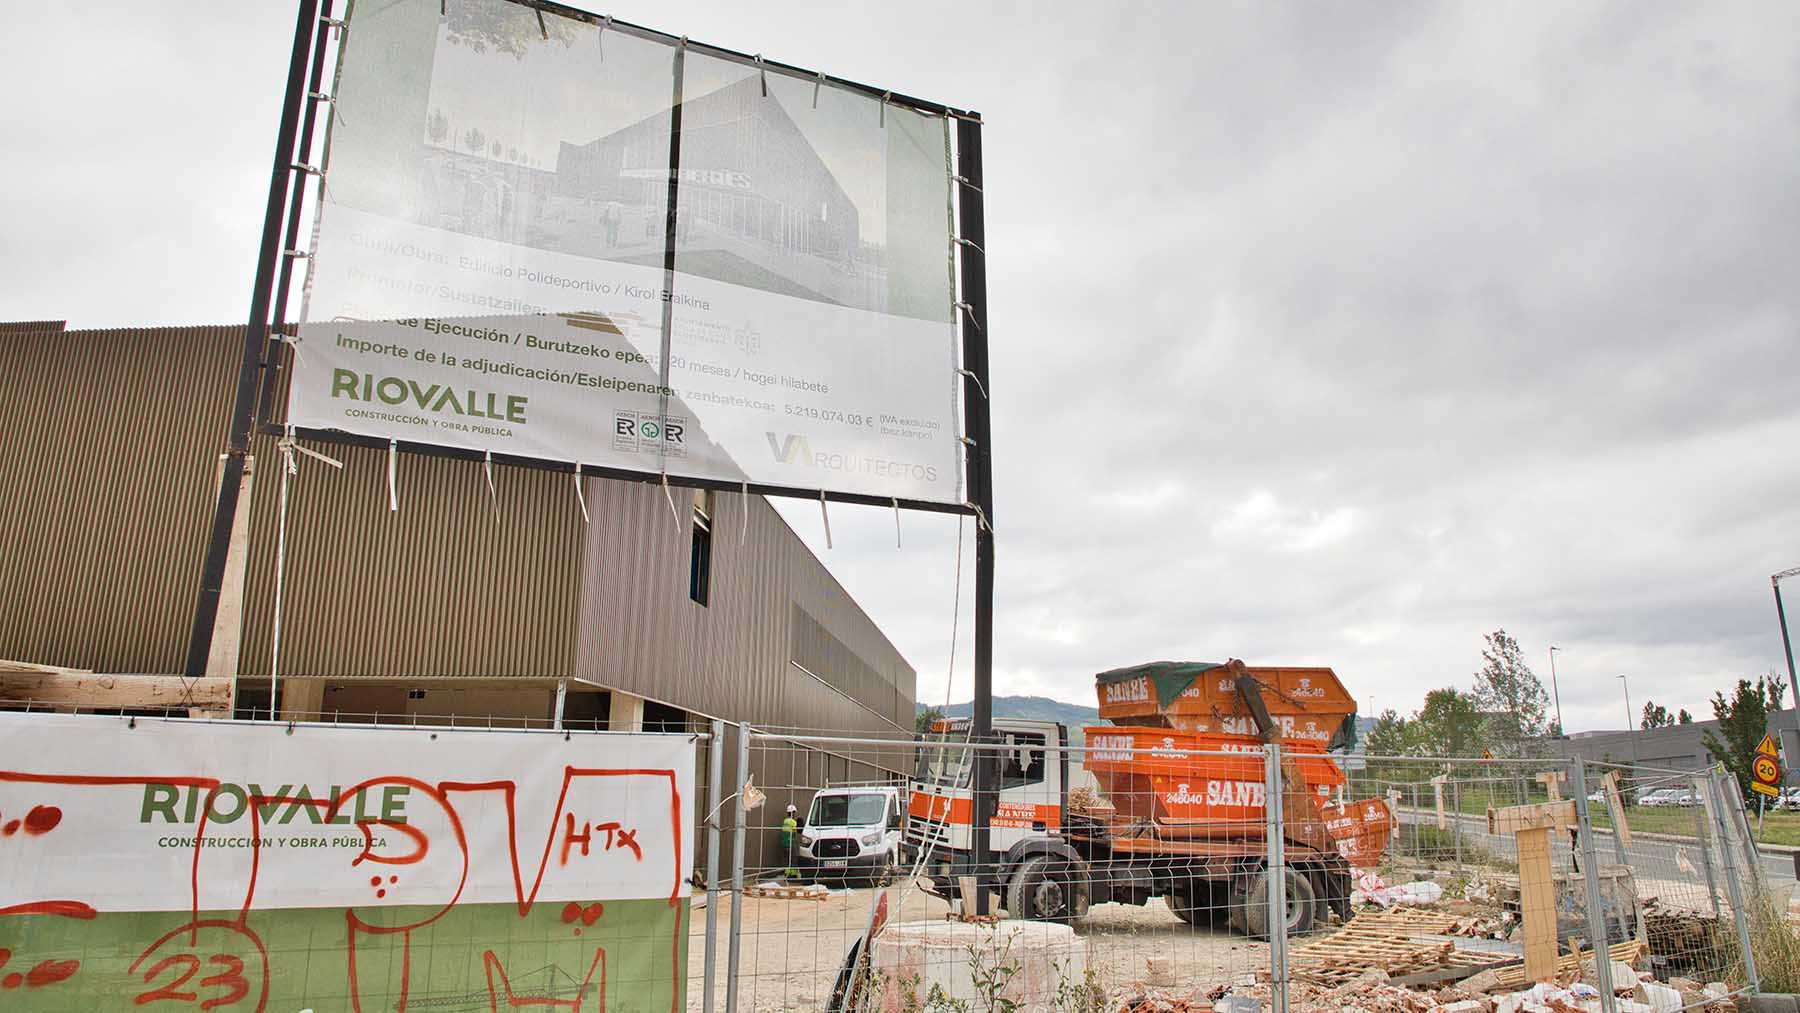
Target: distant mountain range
{"points": [[1037, 708]]}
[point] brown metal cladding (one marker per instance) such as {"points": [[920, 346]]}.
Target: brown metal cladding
{"points": [[109, 445]]}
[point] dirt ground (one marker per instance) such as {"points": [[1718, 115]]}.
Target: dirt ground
{"points": [[791, 949]]}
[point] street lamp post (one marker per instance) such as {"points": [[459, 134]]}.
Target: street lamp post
{"points": [[1630, 732], [1556, 694], [1787, 645]]}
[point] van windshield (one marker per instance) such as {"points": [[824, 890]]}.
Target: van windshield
{"points": [[945, 761], [847, 811]]}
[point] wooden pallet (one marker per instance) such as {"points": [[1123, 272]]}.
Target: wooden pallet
{"points": [[1512, 978], [1391, 941], [813, 892]]}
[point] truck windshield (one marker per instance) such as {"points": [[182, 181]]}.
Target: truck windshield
{"points": [[847, 810], [944, 761]]}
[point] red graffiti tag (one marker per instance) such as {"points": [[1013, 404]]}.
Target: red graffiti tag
{"points": [[42, 819]]}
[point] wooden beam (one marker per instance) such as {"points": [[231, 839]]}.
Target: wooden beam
{"points": [[1615, 802], [1542, 816], [87, 690], [1552, 781], [1537, 902], [1437, 792]]}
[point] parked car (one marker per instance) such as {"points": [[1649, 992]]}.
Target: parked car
{"points": [[852, 830], [1660, 797]]}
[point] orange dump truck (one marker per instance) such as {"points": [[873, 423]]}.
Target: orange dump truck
{"points": [[1167, 800]]}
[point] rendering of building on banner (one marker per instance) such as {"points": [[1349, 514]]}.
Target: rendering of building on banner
{"points": [[458, 607]]}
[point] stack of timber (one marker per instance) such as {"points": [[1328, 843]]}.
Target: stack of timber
{"points": [[1512, 978]]}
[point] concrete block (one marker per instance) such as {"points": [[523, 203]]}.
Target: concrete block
{"points": [[924, 954]]}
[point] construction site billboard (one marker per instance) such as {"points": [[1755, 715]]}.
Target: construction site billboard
{"points": [[333, 867], [564, 239]]}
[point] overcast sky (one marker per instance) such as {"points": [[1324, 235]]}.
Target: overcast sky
{"points": [[1322, 334]]}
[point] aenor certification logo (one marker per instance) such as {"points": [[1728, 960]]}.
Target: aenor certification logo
{"points": [[647, 432]]}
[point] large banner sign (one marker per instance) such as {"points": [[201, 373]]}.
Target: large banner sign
{"points": [[203, 866], [496, 267]]}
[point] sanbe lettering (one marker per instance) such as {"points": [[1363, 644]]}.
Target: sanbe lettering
{"points": [[1218, 793]]}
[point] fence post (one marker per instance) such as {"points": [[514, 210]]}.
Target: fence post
{"points": [[1590, 865], [1715, 809], [715, 792], [1277, 879], [741, 775]]}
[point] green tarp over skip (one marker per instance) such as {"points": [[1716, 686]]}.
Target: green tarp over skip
{"points": [[1170, 678]]}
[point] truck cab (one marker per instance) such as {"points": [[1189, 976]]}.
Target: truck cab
{"points": [[1031, 779]]}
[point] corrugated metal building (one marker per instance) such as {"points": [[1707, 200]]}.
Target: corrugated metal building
{"points": [[455, 604]]}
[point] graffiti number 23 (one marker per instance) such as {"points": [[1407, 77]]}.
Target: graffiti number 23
{"points": [[230, 981]]}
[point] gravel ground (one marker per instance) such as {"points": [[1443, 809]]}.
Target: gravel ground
{"points": [[791, 949]]}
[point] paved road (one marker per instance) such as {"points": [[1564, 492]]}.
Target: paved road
{"points": [[1668, 866]]}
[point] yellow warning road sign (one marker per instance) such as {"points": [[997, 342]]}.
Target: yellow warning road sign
{"points": [[1487, 754], [1765, 770], [1768, 747]]}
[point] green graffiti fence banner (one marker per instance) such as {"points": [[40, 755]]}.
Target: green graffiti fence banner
{"points": [[223, 866], [544, 237]]}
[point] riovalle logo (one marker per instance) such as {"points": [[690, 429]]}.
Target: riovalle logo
{"points": [[795, 449]]}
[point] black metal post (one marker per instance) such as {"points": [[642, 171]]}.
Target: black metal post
{"points": [[1787, 645], [977, 415], [284, 275], [256, 334]]}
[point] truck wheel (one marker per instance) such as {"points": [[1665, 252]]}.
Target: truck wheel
{"points": [[1300, 899], [1041, 891]]}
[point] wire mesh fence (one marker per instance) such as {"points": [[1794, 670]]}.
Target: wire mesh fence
{"points": [[1131, 870]]}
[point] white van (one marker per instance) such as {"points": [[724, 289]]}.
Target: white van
{"points": [[853, 830]]}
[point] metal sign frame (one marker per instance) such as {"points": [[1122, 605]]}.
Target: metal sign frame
{"points": [[264, 355]]}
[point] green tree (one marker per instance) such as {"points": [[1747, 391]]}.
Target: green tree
{"points": [[1743, 721], [1512, 698], [926, 718], [504, 28], [1656, 715], [1449, 724], [1684, 718]]}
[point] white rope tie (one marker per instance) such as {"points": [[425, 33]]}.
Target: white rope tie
{"points": [[600, 36], [980, 518], [827, 517], [487, 469], [744, 518], [885, 97], [670, 496], [896, 522], [978, 385], [817, 82], [970, 312], [762, 75], [580, 495], [393, 489]]}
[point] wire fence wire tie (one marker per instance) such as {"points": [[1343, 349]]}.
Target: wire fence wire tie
{"points": [[762, 75], [487, 468], [310, 170], [964, 180], [393, 489], [319, 96], [296, 254], [542, 28], [827, 517], [580, 495]]}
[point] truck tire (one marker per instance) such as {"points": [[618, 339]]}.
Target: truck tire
{"points": [[1255, 903], [1042, 890]]}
